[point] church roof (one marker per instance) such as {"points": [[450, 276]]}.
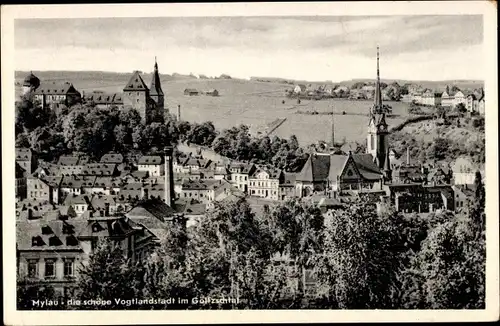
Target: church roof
{"points": [[31, 80], [136, 83]]}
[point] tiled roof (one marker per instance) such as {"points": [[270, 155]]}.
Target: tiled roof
{"points": [[315, 169], [56, 89], [151, 208], [368, 169], [113, 158], [104, 98], [23, 154], [99, 202], [76, 200], [194, 185], [136, 83], [68, 160], [150, 159], [52, 235], [99, 169], [107, 182], [78, 181]]}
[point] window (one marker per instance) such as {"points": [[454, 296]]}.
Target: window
{"points": [[32, 268], [68, 267], [50, 268]]}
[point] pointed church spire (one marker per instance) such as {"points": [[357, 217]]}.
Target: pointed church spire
{"points": [[377, 106], [333, 132], [155, 88]]}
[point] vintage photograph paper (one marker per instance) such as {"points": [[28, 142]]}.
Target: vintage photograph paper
{"points": [[250, 162]]}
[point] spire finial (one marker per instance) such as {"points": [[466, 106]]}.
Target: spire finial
{"points": [[378, 65]]}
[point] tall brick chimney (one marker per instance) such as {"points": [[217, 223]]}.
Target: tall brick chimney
{"points": [[169, 176], [179, 112]]}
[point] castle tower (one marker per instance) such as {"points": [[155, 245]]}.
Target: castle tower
{"points": [[155, 90], [136, 96], [377, 136], [169, 176], [30, 84]]}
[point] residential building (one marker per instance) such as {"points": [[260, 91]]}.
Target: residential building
{"points": [[264, 183], [153, 164], [72, 164], [100, 169], [80, 203], [287, 187], [20, 182], [464, 171], [112, 158], [300, 89], [471, 103], [52, 93], [191, 92], [212, 92], [240, 173], [104, 205], [50, 251], [77, 184], [459, 98], [106, 186], [417, 198], [26, 159], [42, 187], [447, 99], [431, 98], [465, 196]]}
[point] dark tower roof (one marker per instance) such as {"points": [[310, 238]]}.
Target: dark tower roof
{"points": [[136, 83], [377, 111], [31, 81], [155, 88]]}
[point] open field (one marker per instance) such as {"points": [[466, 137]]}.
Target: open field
{"points": [[242, 102]]}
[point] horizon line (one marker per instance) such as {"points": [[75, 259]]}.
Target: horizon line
{"points": [[249, 78]]}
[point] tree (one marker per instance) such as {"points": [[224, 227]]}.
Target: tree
{"points": [[109, 275], [297, 232], [360, 260], [449, 270]]}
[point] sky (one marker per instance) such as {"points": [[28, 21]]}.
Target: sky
{"points": [[311, 48]]}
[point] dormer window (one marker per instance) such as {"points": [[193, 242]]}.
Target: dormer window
{"points": [[54, 241], [47, 230], [37, 241]]}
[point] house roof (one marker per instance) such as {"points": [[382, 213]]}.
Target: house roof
{"points": [[107, 182], [104, 98], [73, 199], [151, 208], [68, 160], [51, 235], [101, 201], [135, 83], [99, 169], [113, 158], [368, 169], [74, 181], [150, 159], [23, 154], [190, 90], [315, 169], [53, 88]]}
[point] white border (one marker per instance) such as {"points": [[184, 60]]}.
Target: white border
{"points": [[12, 12]]}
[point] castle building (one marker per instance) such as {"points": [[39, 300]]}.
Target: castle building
{"points": [[30, 84], [148, 102]]}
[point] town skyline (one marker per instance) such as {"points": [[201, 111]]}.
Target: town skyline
{"points": [[316, 47]]}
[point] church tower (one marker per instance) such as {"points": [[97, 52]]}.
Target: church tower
{"points": [[155, 91], [378, 134]]}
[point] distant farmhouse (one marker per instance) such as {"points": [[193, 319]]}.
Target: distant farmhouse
{"points": [[212, 92], [191, 92]]}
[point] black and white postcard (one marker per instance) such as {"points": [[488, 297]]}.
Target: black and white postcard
{"points": [[250, 162]]}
